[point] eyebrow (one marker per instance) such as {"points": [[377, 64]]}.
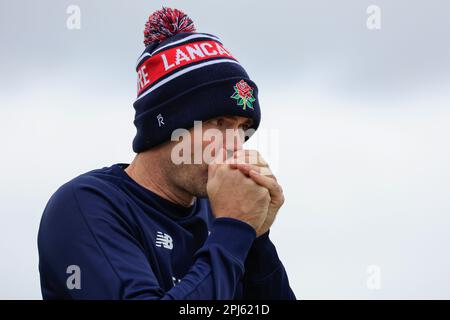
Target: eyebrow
{"points": [[248, 122]]}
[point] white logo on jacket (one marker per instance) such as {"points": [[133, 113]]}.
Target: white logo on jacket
{"points": [[164, 240]]}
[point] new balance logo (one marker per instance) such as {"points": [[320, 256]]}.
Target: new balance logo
{"points": [[164, 240], [175, 281]]}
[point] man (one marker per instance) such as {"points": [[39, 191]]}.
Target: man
{"points": [[161, 228]]}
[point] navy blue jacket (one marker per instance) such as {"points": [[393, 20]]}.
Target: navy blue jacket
{"points": [[123, 241]]}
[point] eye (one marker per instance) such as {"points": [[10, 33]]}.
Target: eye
{"points": [[216, 122]]}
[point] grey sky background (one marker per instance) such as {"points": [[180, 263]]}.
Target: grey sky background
{"points": [[362, 116]]}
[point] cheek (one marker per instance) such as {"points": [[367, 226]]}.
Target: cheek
{"points": [[204, 170], [212, 147]]}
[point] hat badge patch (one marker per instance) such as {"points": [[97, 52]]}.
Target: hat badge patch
{"points": [[243, 94]]}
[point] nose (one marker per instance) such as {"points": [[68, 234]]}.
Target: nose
{"points": [[234, 140]]}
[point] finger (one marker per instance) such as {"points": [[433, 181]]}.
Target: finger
{"points": [[249, 156], [245, 168], [274, 188]]}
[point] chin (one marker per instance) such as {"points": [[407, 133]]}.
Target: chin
{"points": [[200, 186], [201, 189], [202, 194]]}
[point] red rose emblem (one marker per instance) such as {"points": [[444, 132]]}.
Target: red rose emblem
{"points": [[244, 89], [243, 94]]}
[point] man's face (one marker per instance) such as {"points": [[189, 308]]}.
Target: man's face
{"points": [[193, 176]]}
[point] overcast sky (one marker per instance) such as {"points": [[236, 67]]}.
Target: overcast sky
{"points": [[362, 116]]}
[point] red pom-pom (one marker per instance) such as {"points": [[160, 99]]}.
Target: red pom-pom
{"points": [[165, 23]]}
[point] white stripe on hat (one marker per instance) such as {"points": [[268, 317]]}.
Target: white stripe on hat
{"points": [[181, 72], [146, 54], [194, 36]]}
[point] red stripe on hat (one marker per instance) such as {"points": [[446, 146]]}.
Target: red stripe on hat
{"points": [[175, 58]]}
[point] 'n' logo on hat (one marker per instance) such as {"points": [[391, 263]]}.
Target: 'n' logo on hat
{"points": [[243, 94]]}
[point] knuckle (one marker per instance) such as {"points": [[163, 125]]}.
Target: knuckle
{"points": [[250, 183], [281, 201], [222, 169], [247, 184], [278, 188], [264, 193], [273, 185]]}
